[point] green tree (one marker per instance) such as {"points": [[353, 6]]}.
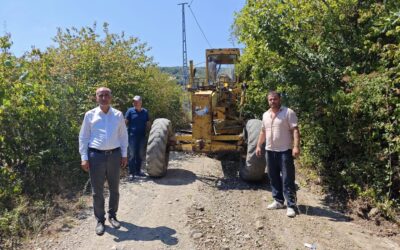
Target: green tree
{"points": [[43, 97], [337, 64]]}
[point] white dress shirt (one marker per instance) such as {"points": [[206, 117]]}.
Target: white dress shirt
{"points": [[103, 132]]}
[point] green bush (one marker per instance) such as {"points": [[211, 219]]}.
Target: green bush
{"points": [[43, 98], [337, 64]]}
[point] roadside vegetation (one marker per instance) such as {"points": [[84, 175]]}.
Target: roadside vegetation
{"points": [[337, 64], [43, 97]]}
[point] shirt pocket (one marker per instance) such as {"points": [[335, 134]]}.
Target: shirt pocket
{"points": [[134, 117], [96, 123]]}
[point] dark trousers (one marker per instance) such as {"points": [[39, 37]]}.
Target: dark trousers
{"points": [[104, 166], [281, 174], [136, 153]]}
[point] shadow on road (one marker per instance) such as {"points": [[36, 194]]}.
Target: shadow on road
{"points": [[231, 179], [129, 231], [176, 177], [323, 212]]}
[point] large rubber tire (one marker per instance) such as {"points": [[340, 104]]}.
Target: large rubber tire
{"points": [[157, 154], [252, 168]]}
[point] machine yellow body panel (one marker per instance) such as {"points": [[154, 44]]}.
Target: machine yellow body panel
{"points": [[202, 115], [216, 124]]}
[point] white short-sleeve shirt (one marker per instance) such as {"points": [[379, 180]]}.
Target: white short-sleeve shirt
{"points": [[278, 131]]}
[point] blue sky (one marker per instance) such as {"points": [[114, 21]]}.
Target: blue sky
{"points": [[156, 22]]}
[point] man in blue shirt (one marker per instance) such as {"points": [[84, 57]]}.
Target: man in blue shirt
{"points": [[137, 121]]}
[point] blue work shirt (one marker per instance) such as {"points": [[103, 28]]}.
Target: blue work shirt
{"points": [[137, 121]]}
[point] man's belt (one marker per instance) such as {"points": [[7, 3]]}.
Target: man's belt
{"points": [[109, 151]]}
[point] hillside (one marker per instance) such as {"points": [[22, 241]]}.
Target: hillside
{"points": [[176, 72]]}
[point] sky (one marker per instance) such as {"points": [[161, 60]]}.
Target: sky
{"points": [[155, 22]]}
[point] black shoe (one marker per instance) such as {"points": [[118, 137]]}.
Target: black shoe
{"points": [[131, 177], [114, 222], [100, 228], [141, 174]]}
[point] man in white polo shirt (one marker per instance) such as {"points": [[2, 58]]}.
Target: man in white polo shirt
{"points": [[103, 143], [282, 143]]}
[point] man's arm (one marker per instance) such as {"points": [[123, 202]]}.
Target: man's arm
{"points": [[260, 142], [84, 138], [148, 122], [296, 142], [148, 126], [292, 120], [127, 116], [123, 137]]}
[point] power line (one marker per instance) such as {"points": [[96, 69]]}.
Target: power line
{"points": [[202, 32], [199, 63]]}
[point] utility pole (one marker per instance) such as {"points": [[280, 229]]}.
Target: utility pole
{"points": [[184, 49]]}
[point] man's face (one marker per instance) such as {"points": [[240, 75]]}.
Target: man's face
{"points": [[137, 104], [103, 97], [274, 101]]}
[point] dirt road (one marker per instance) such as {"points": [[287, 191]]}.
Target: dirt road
{"points": [[200, 206]]}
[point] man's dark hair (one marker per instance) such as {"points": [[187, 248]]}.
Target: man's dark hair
{"points": [[273, 92]]}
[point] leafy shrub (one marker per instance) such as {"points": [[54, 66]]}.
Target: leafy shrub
{"points": [[43, 97], [337, 63]]}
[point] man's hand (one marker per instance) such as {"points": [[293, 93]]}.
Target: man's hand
{"points": [[258, 151], [124, 161], [85, 166], [296, 151], [260, 142]]}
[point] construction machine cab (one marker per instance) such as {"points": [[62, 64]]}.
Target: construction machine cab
{"points": [[220, 67]]}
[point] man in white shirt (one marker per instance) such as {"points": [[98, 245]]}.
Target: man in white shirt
{"points": [[282, 143], [103, 142]]}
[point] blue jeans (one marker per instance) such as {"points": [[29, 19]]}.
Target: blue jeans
{"points": [[281, 174], [136, 153]]}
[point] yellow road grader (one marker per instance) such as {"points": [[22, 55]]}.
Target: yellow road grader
{"points": [[216, 125]]}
